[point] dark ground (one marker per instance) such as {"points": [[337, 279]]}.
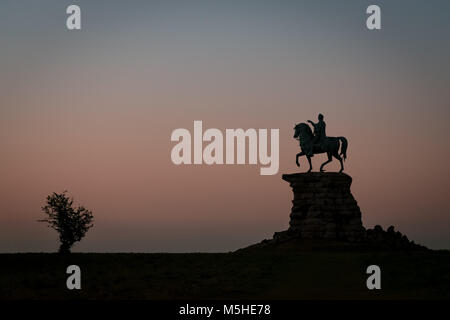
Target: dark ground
{"points": [[286, 273]]}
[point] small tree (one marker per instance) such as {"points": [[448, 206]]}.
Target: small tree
{"points": [[71, 224]]}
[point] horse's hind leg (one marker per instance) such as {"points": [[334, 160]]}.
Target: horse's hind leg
{"points": [[337, 156], [310, 165], [328, 161]]}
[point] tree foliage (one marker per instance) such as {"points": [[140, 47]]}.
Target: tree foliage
{"points": [[70, 223]]}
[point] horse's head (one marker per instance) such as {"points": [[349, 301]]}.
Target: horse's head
{"points": [[302, 131], [296, 131]]}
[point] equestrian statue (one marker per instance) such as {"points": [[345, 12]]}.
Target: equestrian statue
{"points": [[318, 142]]}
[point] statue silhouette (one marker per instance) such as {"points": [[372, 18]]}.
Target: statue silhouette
{"points": [[318, 142], [319, 131]]}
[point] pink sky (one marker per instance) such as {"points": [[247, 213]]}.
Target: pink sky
{"points": [[92, 113]]}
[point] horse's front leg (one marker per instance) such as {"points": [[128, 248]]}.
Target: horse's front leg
{"points": [[310, 165], [298, 156]]}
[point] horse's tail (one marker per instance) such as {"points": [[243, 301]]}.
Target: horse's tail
{"points": [[343, 147]]}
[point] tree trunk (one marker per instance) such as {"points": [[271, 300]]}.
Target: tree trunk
{"points": [[64, 248]]}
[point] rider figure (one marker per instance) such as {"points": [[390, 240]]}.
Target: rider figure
{"points": [[319, 131]]}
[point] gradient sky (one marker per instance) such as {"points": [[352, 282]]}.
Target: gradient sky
{"points": [[92, 111]]}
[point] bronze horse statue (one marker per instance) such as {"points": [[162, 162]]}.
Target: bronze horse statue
{"points": [[330, 146]]}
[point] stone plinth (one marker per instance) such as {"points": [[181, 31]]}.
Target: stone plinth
{"points": [[325, 216], [323, 207]]}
